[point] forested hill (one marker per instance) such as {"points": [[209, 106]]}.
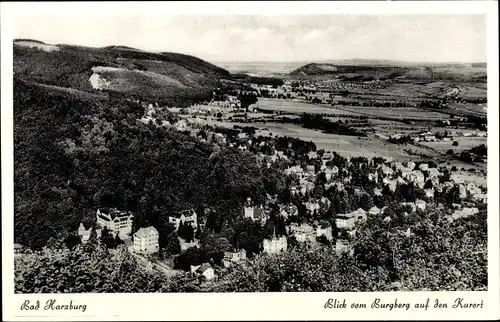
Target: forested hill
{"points": [[130, 71], [75, 152], [373, 70]]}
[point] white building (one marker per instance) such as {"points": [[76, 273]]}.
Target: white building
{"points": [[85, 233], [119, 223], [186, 216], [275, 245], [146, 241], [234, 257], [204, 270]]}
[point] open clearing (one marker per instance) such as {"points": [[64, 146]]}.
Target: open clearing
{"points": [[402, 113], [289, 106], [464, 143]]}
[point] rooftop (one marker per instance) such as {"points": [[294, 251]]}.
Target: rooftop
{"points": [[145, 232]]}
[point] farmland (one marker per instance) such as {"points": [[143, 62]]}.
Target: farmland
{"points": [[289, 106], [464, 143], [403, 113]]}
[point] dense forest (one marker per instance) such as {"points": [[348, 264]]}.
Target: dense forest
{"points": [[75, 153]]}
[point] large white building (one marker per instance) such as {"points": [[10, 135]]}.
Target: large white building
{"points": [[146, 241], [119, 223]]}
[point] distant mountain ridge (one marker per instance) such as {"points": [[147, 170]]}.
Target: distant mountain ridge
{"points": [[119, 69], [367, 70]]}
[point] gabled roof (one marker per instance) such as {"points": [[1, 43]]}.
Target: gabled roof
{"points": [[186, 213], [113, 213], [203, 268], [145, 232]]}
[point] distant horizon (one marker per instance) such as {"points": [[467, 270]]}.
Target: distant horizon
{"points": [[422, 38]]}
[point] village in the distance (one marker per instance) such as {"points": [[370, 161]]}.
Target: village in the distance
{"points": [[160, 172]]}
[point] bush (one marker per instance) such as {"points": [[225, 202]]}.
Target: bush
{"points": [[455, 143], [449, 152]]}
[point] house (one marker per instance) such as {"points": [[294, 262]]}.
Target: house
{"points": [[185, 245], [310, 168], [146, 241], [465, 212], [345, 221], [312, 206], [430, 138], [234, 257], [119, 223], [325, 231], [289, 211], [373, 177], [374, 211], [359, 214], [462, 191], [416, 177], [303, 233], [259, 213], [84, 234], [18, 248], [429, 193], [423, 166], [386, 170], [181, 125], [294, 170], [188, 216], [325, 202], [433, 173], [275, 245], [420, 205], [205, 270], [248, 209], [342, 246]]}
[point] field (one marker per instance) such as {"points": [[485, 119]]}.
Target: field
{"points": [[402, 113], [464, 143], [288, 106], [408, 113]]}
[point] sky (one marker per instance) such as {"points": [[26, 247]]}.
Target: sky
{"points": [[415, 38]]}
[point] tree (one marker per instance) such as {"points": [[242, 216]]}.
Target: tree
{"points": [[72, 241], [428, 184], [172, 244], [246, 100], [455, 143], [186, 232], [191, 257]]}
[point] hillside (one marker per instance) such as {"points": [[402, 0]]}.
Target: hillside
{"points": [[75, 152], [121, 69], [366, 70]]}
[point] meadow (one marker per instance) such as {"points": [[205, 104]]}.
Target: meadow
{"points": [[289, 106], [464, 143]]}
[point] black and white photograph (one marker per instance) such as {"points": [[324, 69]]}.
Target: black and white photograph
{"points": [[249, 153]]}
